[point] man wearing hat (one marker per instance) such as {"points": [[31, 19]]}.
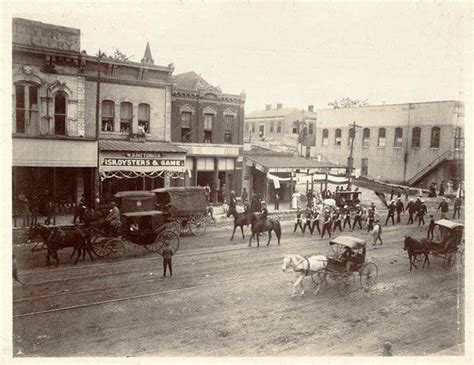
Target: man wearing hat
{"points": [[422, 212], [400, 208], [444, 208], [377, 233], [113, 219], [391, 212], [315, 221], [337, 220], [347, 217], [411, 210], [264, 212], [370, 219], [232, 202], [326, 224], [357, 217], [298, 220]]}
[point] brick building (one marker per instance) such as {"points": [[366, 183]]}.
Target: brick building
{"points": [[208, 124]]}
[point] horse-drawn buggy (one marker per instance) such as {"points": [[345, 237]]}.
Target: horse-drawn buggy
{"points": [[346, 263]]}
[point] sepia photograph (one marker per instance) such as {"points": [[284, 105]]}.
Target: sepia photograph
{"points": [[236, 179]]}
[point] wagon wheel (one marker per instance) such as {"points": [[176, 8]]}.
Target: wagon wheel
{"points": [[175, 226], [99, 247], [449, 260], [368, 275], [197, 225], [319, 278], [346, 283], [164, 236], [115, 248]]}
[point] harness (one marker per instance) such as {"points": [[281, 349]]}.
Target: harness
{"points": [[306, 272]]}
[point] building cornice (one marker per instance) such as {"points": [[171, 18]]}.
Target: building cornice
{"points": [[108, 80]]}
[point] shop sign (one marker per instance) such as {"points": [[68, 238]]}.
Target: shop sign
{"points": [[131, 162]]}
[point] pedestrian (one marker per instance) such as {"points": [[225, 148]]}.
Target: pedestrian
{"points": [[400, 209], [373, 207], [298, 220], [326, 225], [406, 194], [245, 196], [422, 212], [391, 212], [444, 208], [377, 233], [167, 256], [432, 190], [207, 192], [25, 210], [315, 222], [457, 207], [449, 188], [347, 217], [411, 210], [307, 223], [34, 209], [441, 188], [357, 218], [417, 207], [337, 220], [49, 212], [431, 227], [370, 219], [277, 201], [210, 211]]}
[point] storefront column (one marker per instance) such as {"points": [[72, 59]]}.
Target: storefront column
{"points": [[167, 179], [195, 171], [215, 180], [79, 184]]}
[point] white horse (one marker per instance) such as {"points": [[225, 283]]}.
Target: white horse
{"points": [[303, 266]]}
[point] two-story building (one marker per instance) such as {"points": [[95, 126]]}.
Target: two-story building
{"points": [[208, 124]]}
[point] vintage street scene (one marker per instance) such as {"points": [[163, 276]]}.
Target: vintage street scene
{"points": [[238, 179]]}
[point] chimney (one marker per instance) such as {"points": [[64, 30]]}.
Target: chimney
{"points": [[279, 106], [311, 108], [268, 106]]}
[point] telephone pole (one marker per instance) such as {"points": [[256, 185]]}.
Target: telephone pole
{"points": [[98, 185], [350, 163]]}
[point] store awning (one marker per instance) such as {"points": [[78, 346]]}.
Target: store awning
{"points": [[285, 163]]}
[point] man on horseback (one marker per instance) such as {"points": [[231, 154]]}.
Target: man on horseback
{"points": [[232, 202], [264, 214]]}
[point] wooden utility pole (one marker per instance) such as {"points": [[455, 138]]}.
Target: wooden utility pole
{"points": [[97, 185], [350, 162]]}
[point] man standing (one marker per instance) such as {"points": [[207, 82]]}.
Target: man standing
{"points": [[298, 220], [357, 218], [277, 201], [411, 210], [308, 214], [431, 227], [337, 220], [417, 207], [400, 208], [347, 217], [167, 256], [326, 225], [457, 207], [370, 219], [315, 222], [377, 233], [245, 196], [391, 212], [422, 212], [444, 208]]}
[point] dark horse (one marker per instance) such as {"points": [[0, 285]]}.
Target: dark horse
{"points": [[415, 248], [258, 226], [240, 220]]}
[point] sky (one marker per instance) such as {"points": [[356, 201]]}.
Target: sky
{"points": [[293, 53]]}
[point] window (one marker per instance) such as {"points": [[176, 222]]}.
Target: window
{"points": [[272, 126], [125, 117], [186, 127], [108, 116], [435, 136], [458, 138], [279, 126], [253, 127], [351, 136], [365, 137], [338, 137], [143, 118], [310, 128], [26, 106], [325, 137], [295, 127], [416, 137], [208, 122], [228, 123], [247, 128], [60, 113], [398, 141], [381, 140]]}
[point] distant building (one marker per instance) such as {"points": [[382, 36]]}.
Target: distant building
{"points": [[208, 124], [289, 128], [405, 143]]}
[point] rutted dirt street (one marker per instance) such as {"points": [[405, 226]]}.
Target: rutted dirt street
{"points": [[225, 299]]}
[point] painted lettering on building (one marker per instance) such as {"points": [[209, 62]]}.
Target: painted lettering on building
{"points": [[128, 162]]}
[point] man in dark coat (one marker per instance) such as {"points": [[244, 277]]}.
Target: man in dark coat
{"points": [[326, 225], [315, 220], [411, 210], [357, 218], [337, 220], [422, 212], [232, 202], [391, 212], [298, 220], [307, 223], [441, 188], [400, 209], [444, 208], [370, 219], [457, 207]]}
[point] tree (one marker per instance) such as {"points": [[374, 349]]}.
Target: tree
{"points": [[117, 56], [347, 102]]}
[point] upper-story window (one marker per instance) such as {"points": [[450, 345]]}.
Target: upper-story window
{"points": [[381, 140], [279, 126], [416, 137], [26, 107], [186, 127], [60, 113], [228, 123], [143, 118], [351, 136], [338, 137], [365, 137], [435, 136], [272, 126], [295, 127], [398, 140], [125, 117], [310, 128], [108, 116], [208, 123], [325, 137], [458, 138]]}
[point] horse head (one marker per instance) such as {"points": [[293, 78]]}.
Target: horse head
{"points": [[407, 242], [286, 262]]}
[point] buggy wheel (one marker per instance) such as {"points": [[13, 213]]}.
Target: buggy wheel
{"points": [[318, 280], [368, 275], [99, 247], [346, 283], [115, 248], [449, 260], [164, 236], [197, 225]]}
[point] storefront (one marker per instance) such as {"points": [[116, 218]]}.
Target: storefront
{"points": [[125, 165]]}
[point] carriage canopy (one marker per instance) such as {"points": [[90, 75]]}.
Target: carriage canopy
{"points": [[448, 224], [136, 201], [182, 201], [348, 241]]}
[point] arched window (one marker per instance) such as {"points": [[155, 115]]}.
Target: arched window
{"points": [[126, 117], [416, 137], [338, 137], [398, 139], [144, 118], [435, 137], [325, 137], [26, 106], [60, 113], [351, 136], [381, 140], [108, 116], [366, 137]]}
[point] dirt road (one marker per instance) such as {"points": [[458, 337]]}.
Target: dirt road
{"points": [[225, 299]]}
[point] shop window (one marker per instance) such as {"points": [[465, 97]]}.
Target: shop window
{"points": [[108, 116], [325, 137], [125, 117], [365, 137], [381, 140], [143, 118], [295, 127], [338, 137], [416, 137], [60, 113], [398, 141], [279, 126], [208, 123], [186, 127], [228, 124], [351, 136], [272, 126], [26, 106], [310, 127], [435, 136]]}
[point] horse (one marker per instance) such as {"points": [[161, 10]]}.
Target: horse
{"points": [[240, 220], [303, 266], [414, 248], [258, 226], [59, 239]]}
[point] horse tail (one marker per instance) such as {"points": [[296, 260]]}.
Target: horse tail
{"points": [[277, 229]]}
